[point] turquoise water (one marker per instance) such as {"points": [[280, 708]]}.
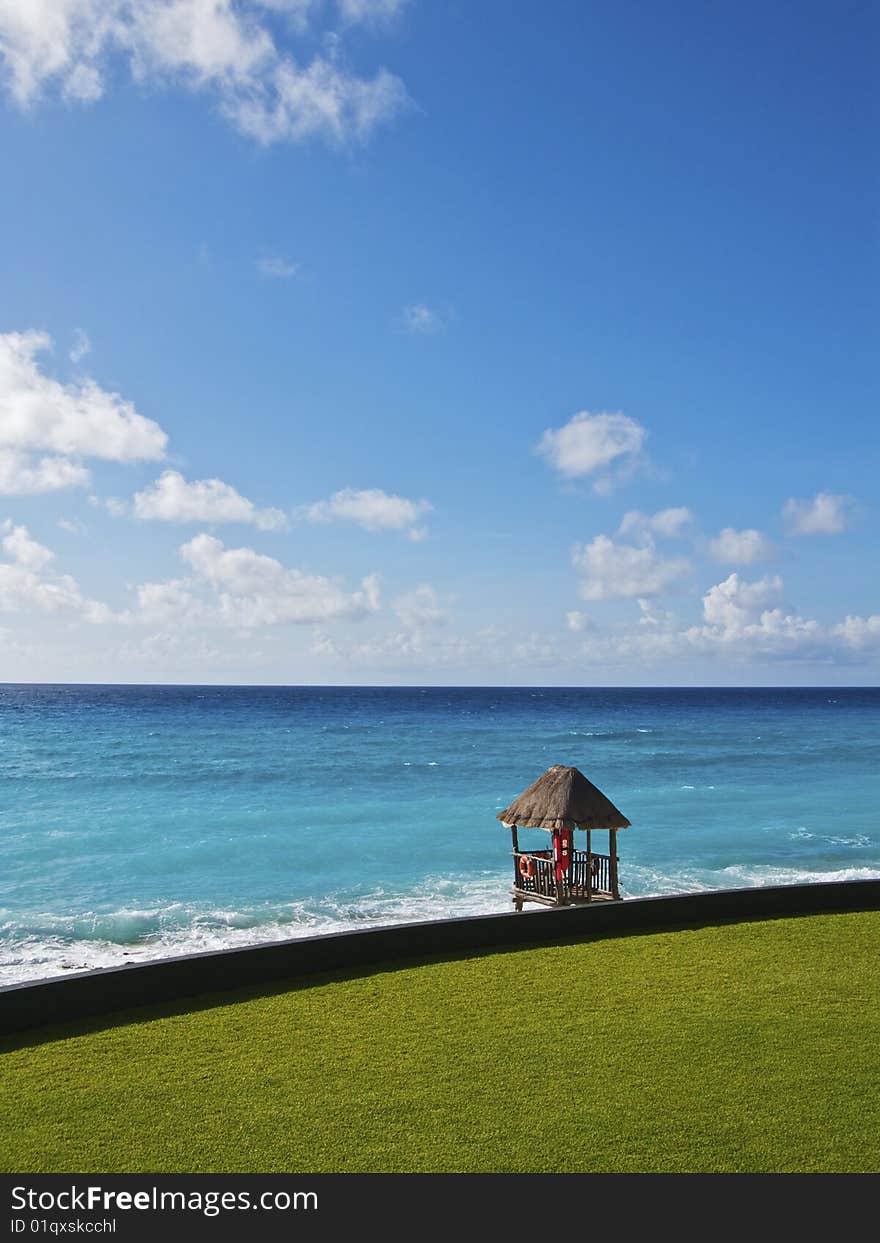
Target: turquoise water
{"points": [[142, 821]]}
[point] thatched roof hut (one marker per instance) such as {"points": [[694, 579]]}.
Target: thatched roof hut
{"points": [[563, 798]]}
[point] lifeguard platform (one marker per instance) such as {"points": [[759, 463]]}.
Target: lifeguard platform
{"points": [[561, 801]]}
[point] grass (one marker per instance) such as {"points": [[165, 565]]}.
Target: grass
{"points": [[735, 1047]]}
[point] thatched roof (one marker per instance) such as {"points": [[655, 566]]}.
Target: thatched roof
{"points": [[563, 798]]}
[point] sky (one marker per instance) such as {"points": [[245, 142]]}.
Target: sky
{"points": [[475, 342]]}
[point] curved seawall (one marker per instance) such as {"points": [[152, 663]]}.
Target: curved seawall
{"points": [[24, 1006]]}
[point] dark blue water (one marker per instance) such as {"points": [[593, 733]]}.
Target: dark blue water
{"points": [[140, 821]]}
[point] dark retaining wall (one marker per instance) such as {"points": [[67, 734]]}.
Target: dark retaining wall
{"points": [[24, 1006]]}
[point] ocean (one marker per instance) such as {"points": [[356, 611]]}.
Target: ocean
{"points": [[143, 821]]}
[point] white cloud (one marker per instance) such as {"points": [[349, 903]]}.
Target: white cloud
{"points": [[298, 10], [541, 650], [45, 39], [255, 590], [656, 618], [81, 343], [73, 526], [18, 545], [171, 601], [354, 11], [118, 508], [666, 522], [276, 267], [417, 649], [21, 589], [80, 419], [83, 85], [859, 633], [323, 645], [777, 633], [617, 571], [372, 509], [735, 603], [647, 645], [23, 475], [202, 45], [26, 582], [590, 443], [577, 621], [320, 101], [734, 547], [203, 42], [179, 651], [172, 499], [742, 622], [825, 514], [421, 320], [420, 607], [739, 621]]}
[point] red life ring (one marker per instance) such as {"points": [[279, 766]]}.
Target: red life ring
{"points": [[526, 867]]}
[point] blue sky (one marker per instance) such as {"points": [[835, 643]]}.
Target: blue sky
{"points": [[386, 341]]}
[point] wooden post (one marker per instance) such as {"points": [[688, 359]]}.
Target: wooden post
{"points": [[517, 901], [589, 867], [612, 841]]}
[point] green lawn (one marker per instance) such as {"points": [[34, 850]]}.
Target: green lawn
{"points": [[737, 1047]]}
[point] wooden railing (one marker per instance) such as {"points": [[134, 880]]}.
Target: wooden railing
{"points": [[543, 878], [595, 867], [587, 874]]}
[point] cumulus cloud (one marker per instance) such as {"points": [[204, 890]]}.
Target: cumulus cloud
{"points": [[216, 46], [18, 544], [742, 621], [276, 267], [589, 444], [732, 547], [170, 602], [62, 422], [27, 582], [654, 617], [23, 475], [372, 509], [859, 634], [420, 607], [739, 620], [735, 603], [616, 571], [246, 589], [173, 499], [825, 514], [668, 523]]}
